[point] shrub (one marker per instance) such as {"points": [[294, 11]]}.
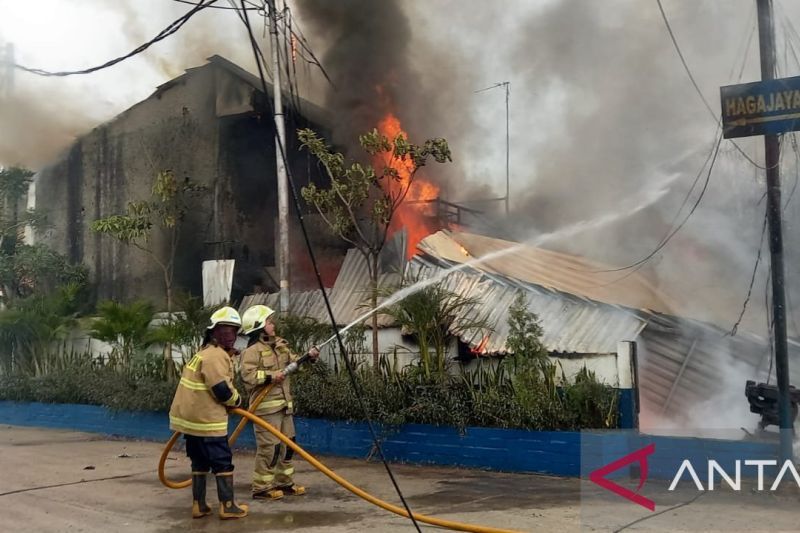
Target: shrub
{"points": [[411, 397], [91, 386]]}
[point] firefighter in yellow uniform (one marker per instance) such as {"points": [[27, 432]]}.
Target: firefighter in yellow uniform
{"points": [[261, 365], [200, 411]]}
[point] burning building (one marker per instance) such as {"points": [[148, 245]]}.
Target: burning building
{"points": [[212, 125], [684, 364]]}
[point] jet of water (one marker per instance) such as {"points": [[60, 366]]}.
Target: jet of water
{"points": [[566, 231]]}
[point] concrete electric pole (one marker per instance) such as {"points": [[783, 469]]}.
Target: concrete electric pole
{"points": [[280, 141]]}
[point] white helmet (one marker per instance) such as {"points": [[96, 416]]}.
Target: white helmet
{"points": [[255, 317], [226, 316]]}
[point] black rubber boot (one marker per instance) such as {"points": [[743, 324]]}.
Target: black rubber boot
{"points": [[199, 506], [228, 508]]}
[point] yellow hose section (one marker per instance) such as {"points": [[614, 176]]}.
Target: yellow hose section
{"points": [[162, 461], [248, 415], [458, 526]]}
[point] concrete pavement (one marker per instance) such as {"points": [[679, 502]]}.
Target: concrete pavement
{"points": [[55, 480]]}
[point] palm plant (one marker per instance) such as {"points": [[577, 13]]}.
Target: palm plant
{"points": [[435, 315], [32, 333], [184, 328], [124, 327]]}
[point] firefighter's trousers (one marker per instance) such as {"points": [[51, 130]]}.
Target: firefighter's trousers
{"points": [[273, 468]]}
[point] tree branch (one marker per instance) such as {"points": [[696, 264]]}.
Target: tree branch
{"points": [[330, 225], [353, 218]]}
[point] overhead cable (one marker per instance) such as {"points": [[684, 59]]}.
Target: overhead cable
{"points": [[163, 34]]}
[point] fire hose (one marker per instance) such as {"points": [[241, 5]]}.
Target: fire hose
{"points": [[250, 416], [290, 369]]}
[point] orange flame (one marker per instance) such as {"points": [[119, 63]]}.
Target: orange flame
{"points": [[478, 350], [414, 214]]}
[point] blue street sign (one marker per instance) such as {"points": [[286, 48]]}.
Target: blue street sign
{"points": [[761, 108]]}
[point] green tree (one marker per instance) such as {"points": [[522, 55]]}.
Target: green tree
{"points": [[361, 201], [23, 268], [435, 315], [37, 269], [524, 334], [14, 184], [166, 210]]}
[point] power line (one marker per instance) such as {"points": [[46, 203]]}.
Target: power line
{"points": [[746, 48], [667, 234], [291, 81], [163, 34], [696, 86], [254, 8], [260, 57], [635, 267], [735, 327], [312, 257], [301, 39], [671, 234]]}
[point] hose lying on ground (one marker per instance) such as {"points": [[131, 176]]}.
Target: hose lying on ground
{"points": [[247, 415], [250, 416], [449, 524]]}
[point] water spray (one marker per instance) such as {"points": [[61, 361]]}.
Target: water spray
{"points": [[566, 231]]}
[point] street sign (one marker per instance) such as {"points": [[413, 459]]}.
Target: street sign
{"points": [[761, 108]]}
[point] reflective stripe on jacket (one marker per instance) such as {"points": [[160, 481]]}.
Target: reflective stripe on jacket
{"points": [[260, 362], [195, 408]]}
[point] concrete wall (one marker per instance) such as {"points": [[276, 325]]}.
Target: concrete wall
{"points": [[208, 125], [614, 369], [116, 163], [562, 453]]}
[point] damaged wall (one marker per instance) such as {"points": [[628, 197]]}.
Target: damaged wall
{"points": [[210, 125]]}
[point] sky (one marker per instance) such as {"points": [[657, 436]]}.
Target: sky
{"points": [[603, 116], [67, 34]]}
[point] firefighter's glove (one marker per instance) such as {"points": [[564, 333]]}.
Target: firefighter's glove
{"points": [[313, 353]]}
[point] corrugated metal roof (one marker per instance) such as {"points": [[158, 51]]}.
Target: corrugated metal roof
{"points": [[347, 297], [684, 362], [562, 272], [570, 325]]}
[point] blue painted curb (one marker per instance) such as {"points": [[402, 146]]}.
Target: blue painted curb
{"points": [[563, 453]]}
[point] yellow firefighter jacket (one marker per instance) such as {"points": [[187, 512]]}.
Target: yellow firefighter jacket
{"points": [[205, 389], [262, 361]]}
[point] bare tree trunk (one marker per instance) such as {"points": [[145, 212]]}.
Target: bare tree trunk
{"points": [[169, 367], [374, 304]]}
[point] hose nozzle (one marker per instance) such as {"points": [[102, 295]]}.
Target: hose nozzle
{"points": [[292, 367]]}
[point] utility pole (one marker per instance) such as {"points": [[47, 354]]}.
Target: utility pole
{"points": [[280, 141], [505, 85], [766, 39], [508, 192]]}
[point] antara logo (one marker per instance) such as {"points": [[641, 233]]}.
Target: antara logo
{"points": [[599, 476], [735, 482], [713, 469]]}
